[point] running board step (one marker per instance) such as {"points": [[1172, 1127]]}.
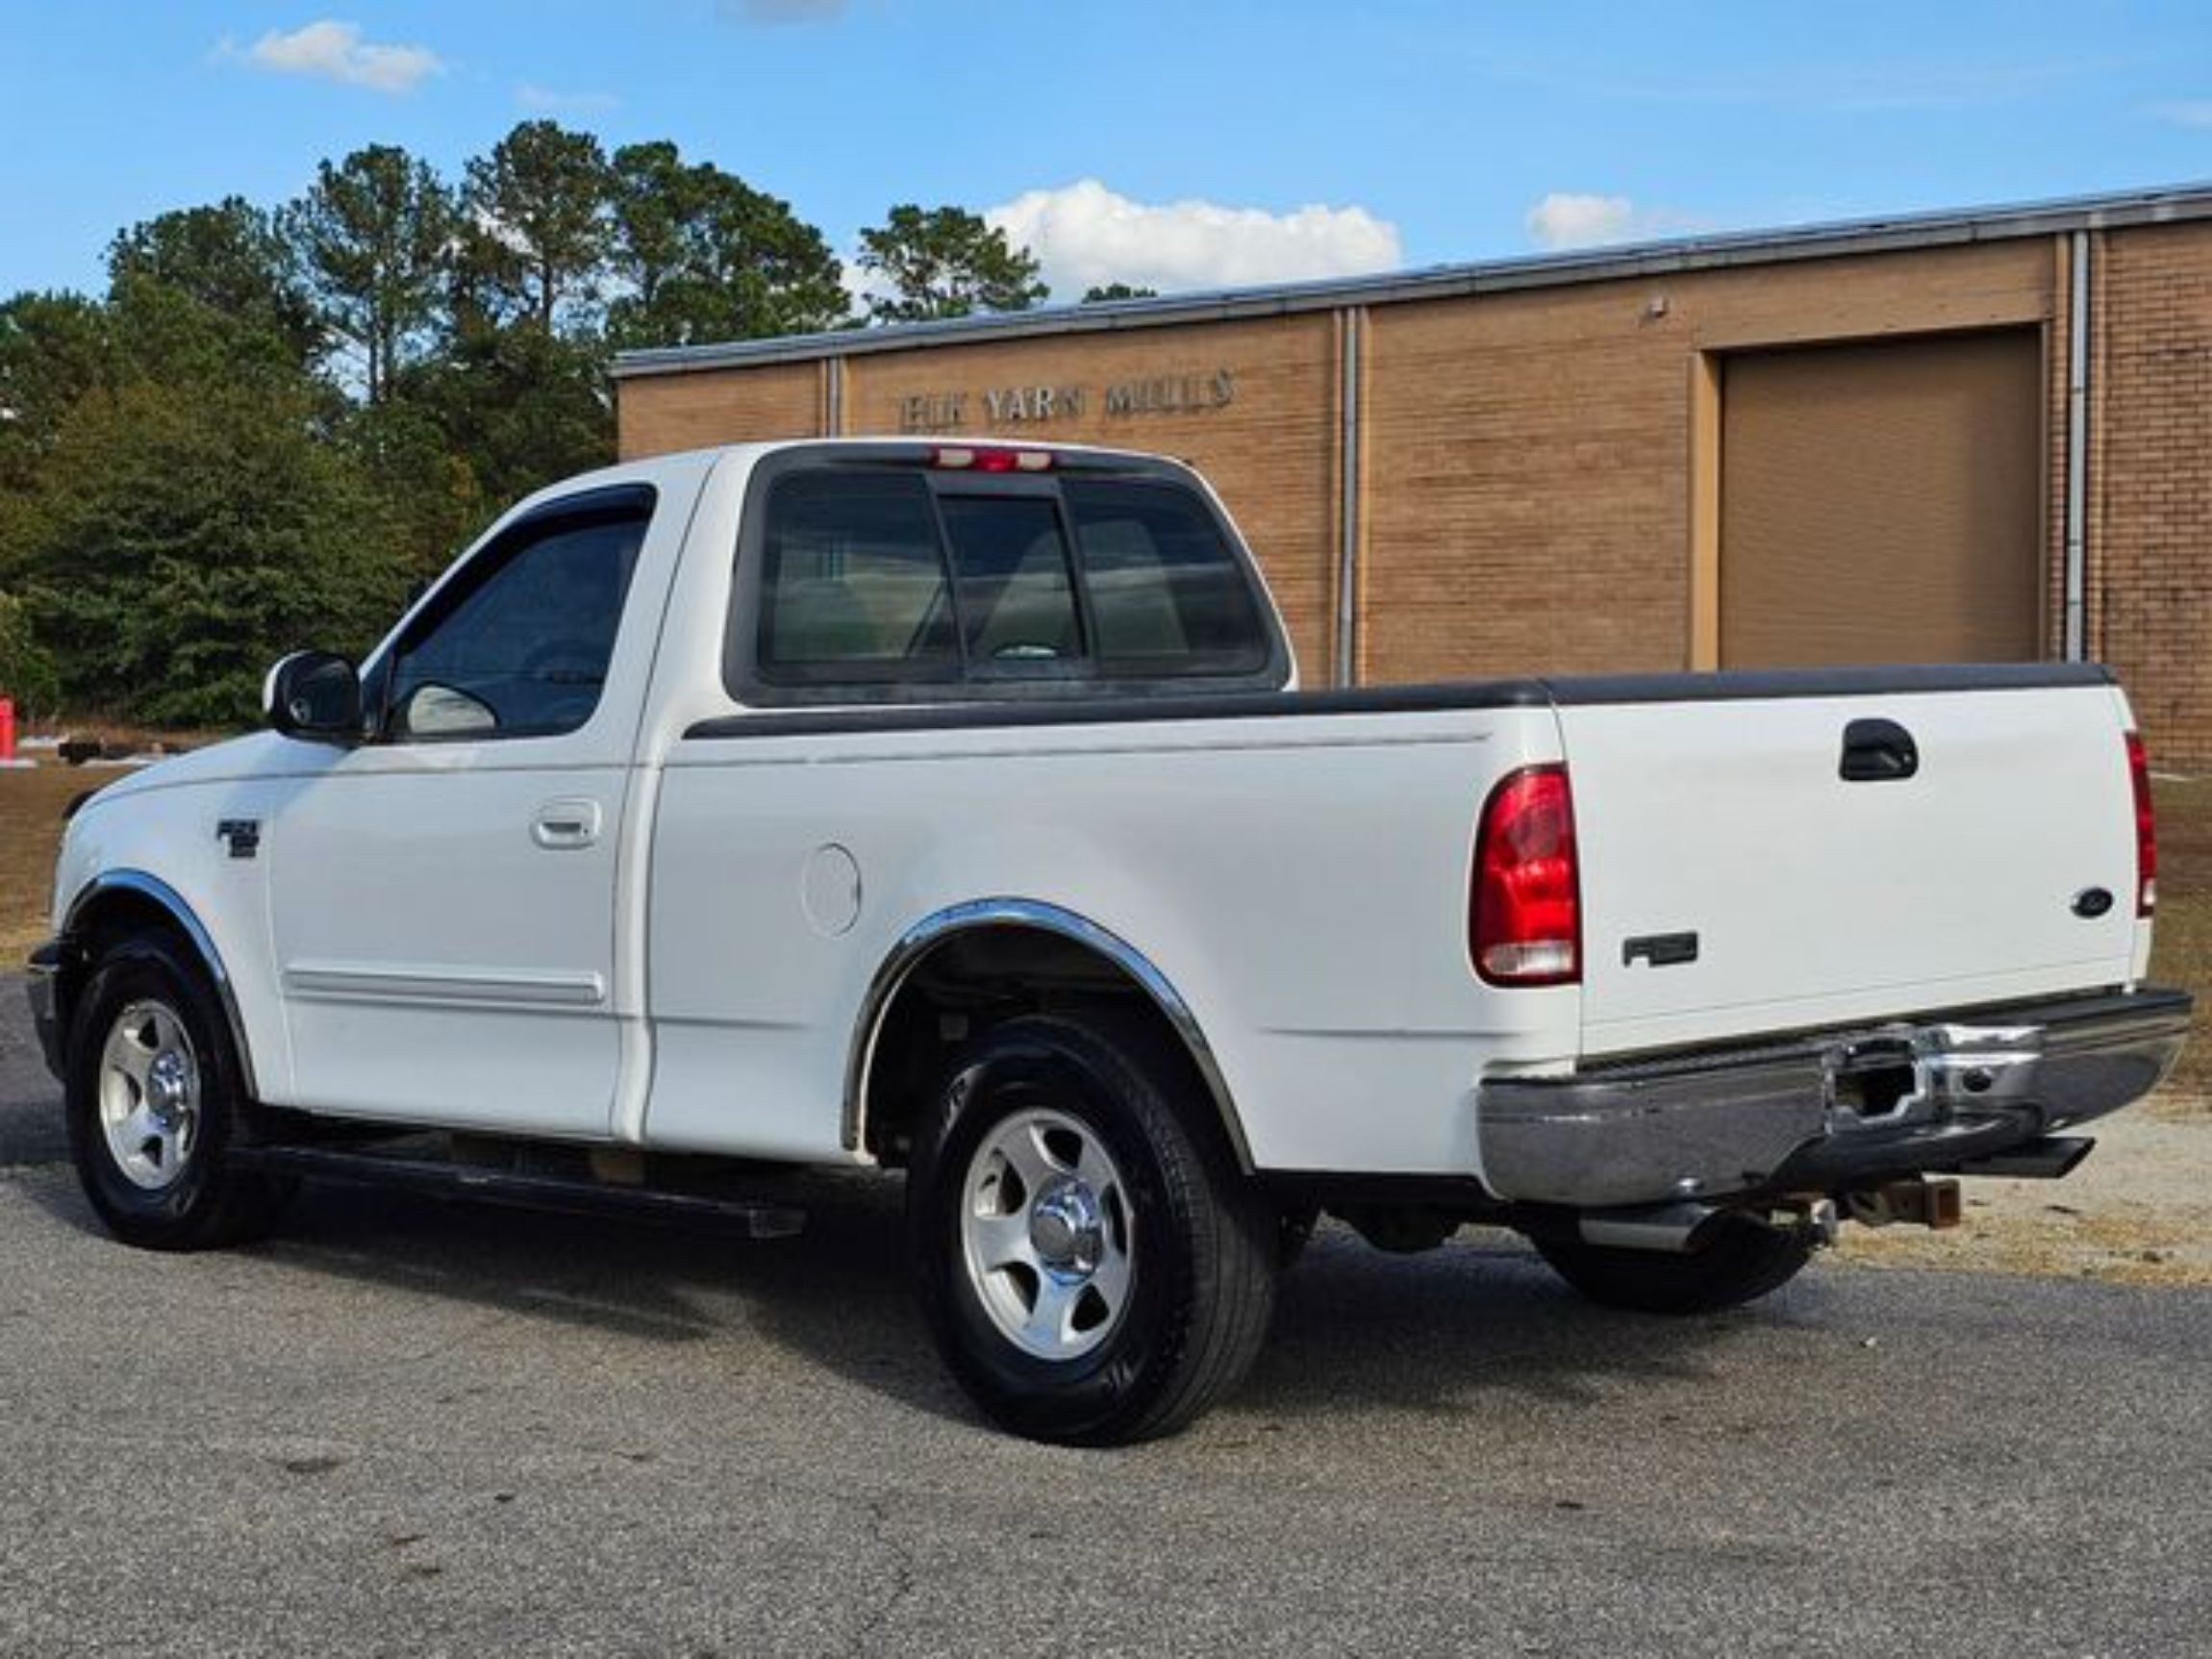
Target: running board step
{"points": [[439, 1178]]}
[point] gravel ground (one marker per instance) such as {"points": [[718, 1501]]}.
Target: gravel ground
{"points": [[2138, 1212]]}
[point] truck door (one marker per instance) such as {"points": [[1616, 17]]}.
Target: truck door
{"points": [[443, 897]]}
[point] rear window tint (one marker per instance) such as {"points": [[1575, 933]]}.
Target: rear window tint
{"points": [[1166, 593], [882, 576], [1017, 598], [853, 577]]}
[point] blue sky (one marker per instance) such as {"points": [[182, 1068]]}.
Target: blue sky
{"points": [[1183, 144]]}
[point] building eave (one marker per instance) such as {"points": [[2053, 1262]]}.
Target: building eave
{"points": [[1893, 234]]}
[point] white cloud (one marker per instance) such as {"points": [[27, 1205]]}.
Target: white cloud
{"points": [[862, 285], [1086, 235], [336, 52], [1567, 219], [546, 101], [2186, 113]]}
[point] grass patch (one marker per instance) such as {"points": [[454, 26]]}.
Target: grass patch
{"points": [[31, 801], [30, 805]]}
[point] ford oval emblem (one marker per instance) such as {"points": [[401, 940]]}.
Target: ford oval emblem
{"points": [[2092, 903]]}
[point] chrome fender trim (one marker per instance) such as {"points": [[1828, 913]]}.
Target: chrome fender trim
{"points": [[933, 930], [161, 894]]}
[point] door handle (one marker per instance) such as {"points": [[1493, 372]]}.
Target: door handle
{"points": [[1877, 752], [565, 825]]}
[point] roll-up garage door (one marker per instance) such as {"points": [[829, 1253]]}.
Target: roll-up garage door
{"points": [[1881, 503]]}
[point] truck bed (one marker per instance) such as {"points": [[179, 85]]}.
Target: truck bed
{"points": [[1344, 1009]]}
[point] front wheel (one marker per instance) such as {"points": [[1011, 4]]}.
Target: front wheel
{"points": [[1743, 1260], [153, 1097], [1092, 1265]]}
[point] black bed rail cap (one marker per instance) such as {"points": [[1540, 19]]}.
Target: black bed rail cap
{"points": [[1090, 707], [1894, 679]]}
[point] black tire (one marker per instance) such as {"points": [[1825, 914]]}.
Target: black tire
{"points": [[206, 1202], [1741, 1261], [1295, 1232], [1202, 1240]]}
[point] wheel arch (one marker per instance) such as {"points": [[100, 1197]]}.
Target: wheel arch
{"points": [[1103, 958], [120, 901]]}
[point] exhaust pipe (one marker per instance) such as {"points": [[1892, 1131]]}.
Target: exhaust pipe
{"points": [[2050, 1158], [1680, 1229], [1674, 1229]]}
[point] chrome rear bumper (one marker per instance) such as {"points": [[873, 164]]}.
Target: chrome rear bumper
{"points": [[1825, 1112]]}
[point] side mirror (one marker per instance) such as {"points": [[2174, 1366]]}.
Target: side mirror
{"points": [[313, 695]]}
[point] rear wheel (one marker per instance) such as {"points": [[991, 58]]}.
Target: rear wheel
{"points": [[1092, 1265], [1293, 1232], [1741, 1261], [153, 1101]]}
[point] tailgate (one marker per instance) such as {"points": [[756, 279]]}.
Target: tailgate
{"points": [[1818, 900]]}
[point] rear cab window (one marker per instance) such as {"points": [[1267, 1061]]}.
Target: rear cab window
{"points": [[871, 580]]}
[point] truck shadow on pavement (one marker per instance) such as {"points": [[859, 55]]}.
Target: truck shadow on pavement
{"points": [[1438, 1335]]}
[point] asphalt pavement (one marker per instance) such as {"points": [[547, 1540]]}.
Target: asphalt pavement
{"points": [[405, 1426], [30, 1123]]}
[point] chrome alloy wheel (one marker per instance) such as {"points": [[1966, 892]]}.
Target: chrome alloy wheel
{"points": [[1044, 1229], [150, 1095]]}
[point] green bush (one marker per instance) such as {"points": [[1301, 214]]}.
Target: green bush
{"points": [[180, 540], [26, 667]]}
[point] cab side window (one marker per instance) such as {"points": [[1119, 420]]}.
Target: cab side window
{"points": [[519, 644]]}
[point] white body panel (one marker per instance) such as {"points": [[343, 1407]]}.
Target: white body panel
{"points": [[438, 965], [160, 823], [1341, 1008], [695, 977], [1819, 901]]}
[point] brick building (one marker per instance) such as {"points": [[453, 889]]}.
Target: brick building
{"points": [[1979, 436]]}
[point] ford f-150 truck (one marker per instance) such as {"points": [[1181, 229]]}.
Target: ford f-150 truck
{"points": [[950, 807]]}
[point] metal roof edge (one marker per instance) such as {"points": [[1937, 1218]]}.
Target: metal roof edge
{"points": [[1841, 239]]}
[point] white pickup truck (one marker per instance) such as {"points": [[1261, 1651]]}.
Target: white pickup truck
{"points": [[950, 807]]}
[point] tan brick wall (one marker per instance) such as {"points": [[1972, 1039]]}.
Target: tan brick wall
{"points": [[1269, 450], [1526, 457], [691, 411], [1529, 455], [2151, 479]]}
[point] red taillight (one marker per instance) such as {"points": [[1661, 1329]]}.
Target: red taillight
{"points": [[2146, 828], [980, 457], [1525, 920]]}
